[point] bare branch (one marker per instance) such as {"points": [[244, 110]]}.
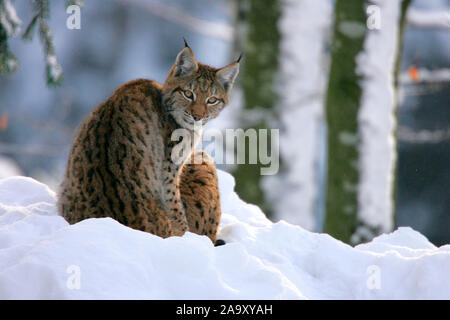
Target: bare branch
{"points": [[425, 76], [429, 18], [406, 134], [173, 14], [32, 150]]}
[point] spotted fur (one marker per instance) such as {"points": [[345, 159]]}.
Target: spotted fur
{"points": [[120, 163]]}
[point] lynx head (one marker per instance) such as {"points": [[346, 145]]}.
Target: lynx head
{"points": [[194, 93]]}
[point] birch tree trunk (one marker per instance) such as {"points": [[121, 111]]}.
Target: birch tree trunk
{"points": [[303, 68], [361, 120]]}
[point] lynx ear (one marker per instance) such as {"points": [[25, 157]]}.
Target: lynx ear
{"points": [[185, 64], [227, 75]]}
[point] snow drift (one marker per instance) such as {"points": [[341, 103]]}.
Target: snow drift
{"points": [[43, 257]]}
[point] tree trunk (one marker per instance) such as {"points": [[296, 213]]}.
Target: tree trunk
{"points": [[342, 104], [361, 121], [295, 192], [259, 68], [401, 31]]}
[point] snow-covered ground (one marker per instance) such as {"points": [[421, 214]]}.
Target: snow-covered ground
{"points": [[42, 256]]}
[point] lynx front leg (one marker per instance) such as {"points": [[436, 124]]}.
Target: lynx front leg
{"points": [[171, 199], [176, 212], [200, 196], [156, 221]]}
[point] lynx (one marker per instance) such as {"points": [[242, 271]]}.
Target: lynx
{"points": [[120, 163]]}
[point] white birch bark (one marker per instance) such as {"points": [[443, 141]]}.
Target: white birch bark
{"points": [[376, 123], [305, 26]]}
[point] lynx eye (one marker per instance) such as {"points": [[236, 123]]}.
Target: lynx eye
{"points": [[188, 94], [212, 101]]}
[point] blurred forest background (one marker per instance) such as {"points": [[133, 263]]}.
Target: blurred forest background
{"points": [[361, 95]]}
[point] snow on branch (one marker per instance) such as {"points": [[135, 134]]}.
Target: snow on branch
{"points": [[429, 18], [406, 134], [41, 16], [414, 75], [173, 14], [9, 19]]}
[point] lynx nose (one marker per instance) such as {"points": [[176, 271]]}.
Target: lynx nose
{"points": [[196, 116]]}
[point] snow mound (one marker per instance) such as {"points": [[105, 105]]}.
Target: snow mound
{"points": [[43, 257], [8, 168]]}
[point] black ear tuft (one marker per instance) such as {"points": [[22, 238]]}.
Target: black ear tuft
{"points": [[185, 43], [240, 56]]}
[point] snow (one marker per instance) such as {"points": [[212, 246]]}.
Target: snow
{"points": [[43, 257], [301, 89], [377, 124]]}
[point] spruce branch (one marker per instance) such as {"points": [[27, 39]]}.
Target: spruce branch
{"points": [[53, 68], [9, 18], [74, 2], [29, 31], [9, 27]]}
